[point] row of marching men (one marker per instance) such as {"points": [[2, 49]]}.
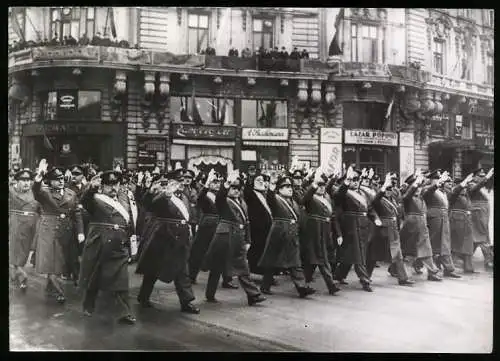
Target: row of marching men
{"points": [[293, 223]]}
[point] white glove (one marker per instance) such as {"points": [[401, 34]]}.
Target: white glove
{"points": [[81, 237], [42, 167], [210, 178], [467, 180], [247, 246], [371, 173], [387, 182], [378, 223], [140, 177], [340, 240], [133, 245], [364, 173], [317, 176], [490, 173], [96, 180]]}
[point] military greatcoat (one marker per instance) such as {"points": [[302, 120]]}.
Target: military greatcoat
{"points": [[438, 220], [282, 249], [105, 254], [227, 250], [462, 241], [23, 216], [60, 221], [480, 212], [414, 233]]}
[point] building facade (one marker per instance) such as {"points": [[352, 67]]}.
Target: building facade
{"points": [[410, 84]]}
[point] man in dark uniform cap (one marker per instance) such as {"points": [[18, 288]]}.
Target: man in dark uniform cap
{"points": [[105, 255], [165, 252]]}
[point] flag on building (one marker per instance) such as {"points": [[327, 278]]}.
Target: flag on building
{"points": [[223, 112], [214, 113], [334, 48], [195, 113], [184, 114], [389, 109], [14, 20], [112, 22]]}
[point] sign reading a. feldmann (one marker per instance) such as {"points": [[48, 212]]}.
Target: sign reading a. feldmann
{"points": [[372, 137], [184, 131], [264, 134]]}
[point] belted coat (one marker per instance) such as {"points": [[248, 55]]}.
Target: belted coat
{"points": [[209, 219], [282, 248], [462, 241], [166, 248], [355, 222], [260, 218], [438, 220], [316, 236], [59, 223], [105, 253], [227, 251], [23, 217], [480, 212], [414, 233]]}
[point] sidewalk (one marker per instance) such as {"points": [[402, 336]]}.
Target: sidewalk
{"points": [[391, 319]]}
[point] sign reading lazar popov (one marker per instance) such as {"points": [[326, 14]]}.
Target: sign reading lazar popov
{"points": [[367, 136]]}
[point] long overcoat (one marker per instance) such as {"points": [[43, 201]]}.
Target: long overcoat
{"points": [[438, 220], [191, 194], [166, 248], [227, 251], [480, 212], [355, 222], [105, 254], [260, 219], [23, 217], [385, 244], [462, 241], [207, 225], [331, 188], [282, 249], [59, 222], [316, 237], [414, 233]]}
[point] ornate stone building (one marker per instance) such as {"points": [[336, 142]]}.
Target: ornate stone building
{"points": [[371, 105]]}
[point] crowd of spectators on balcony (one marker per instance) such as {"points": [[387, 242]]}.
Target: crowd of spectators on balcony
{"points": [[266, 53]]}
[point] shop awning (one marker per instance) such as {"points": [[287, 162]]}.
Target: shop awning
{"points": [[460, 144], [209, 143], [264, 143]]}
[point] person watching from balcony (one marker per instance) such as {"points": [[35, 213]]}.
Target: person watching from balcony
{"points": [[96, 40], [304, 54], [210, 51], [283, 53], [295, 54], [55, 40], [71, 41], [124, 44], [44, 42], [246, 53], [275, 54], [84, 40], [233, 52], [65, 40], [106, 41]]}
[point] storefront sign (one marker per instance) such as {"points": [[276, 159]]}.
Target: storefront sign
{"points": [[331, 157], [66, 53], [71, 128], [481, 110], [372, 137], [458, 126], [67, 100], [406, 162], [203, 132], [264, 134], [406, 139], [331, 135], [150, 153]]}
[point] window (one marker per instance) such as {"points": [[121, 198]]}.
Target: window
{"points": [[263, 113], [466, 128], [466, 13], [72, 104], [438, 56], [354, 43], [66, 21], [305, 34], [212, 110], [364, 43], [367, 115], [90, 22], [198, 33], [491, 17], [263, 33], [489, 70]]}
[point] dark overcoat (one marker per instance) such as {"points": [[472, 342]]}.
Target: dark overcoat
{"points": [[207, 225], [23, 217], [282, 249], [355, 222], [192, 196], [462, 241], [60, 221], [260, 218], [227, 252], [414, 233], [166, 248], [104, 264], [438, 220], [480, 212], [316, 237], [385, 244]]}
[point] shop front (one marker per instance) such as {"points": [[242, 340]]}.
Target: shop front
{"points": [[264, 148], [66, 143], [203, 147]]}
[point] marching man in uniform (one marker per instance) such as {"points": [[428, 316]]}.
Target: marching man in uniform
{"points": [[23, 216], [60, 220], [105, 254]]}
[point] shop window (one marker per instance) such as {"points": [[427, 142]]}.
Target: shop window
{"points": [[263, 33], [264, 113], [366, 115], [438, 56], [70, 104], [198, 31], [212, 110], [272, 158]]}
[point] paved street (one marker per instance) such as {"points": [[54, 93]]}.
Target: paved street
{"points": [[452, 316]]}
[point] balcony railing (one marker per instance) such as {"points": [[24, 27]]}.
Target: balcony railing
{"points": [[461, 84]]}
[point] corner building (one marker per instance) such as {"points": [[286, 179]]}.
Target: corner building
{"points": [[371, 105]]}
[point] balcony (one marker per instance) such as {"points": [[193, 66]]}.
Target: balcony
{"points": [[464, 87]]}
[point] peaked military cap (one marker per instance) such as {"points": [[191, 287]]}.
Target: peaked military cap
{"points": [[283, 181], [297, 173], [111, 177], [76, 168], [25, 173], [55, 173], [435, 174], [410, 179]]}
